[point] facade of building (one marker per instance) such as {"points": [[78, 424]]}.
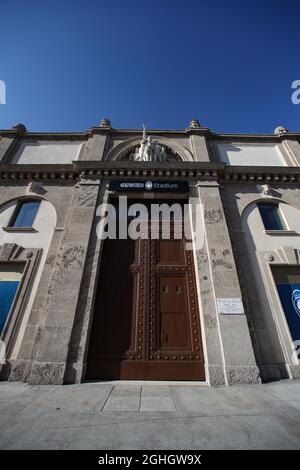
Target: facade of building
{"points": [[75, 306]]}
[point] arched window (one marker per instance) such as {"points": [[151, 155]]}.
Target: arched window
{"points": [[26, 229], [271, 216], [24, 213]]}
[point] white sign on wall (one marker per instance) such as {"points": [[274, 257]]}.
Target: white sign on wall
{"points": [[230, 306]]}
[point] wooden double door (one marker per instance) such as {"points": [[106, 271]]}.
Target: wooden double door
{"points": [[146, 318]]}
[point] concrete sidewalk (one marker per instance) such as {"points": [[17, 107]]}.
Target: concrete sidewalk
{"points": [[149, 416]]}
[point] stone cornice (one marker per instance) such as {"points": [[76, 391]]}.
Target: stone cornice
{"points": [[121, 169], [96, 170], [110, 130], [188, 170], [258, 174], [254, 137], [45, 135], [37, 172]]}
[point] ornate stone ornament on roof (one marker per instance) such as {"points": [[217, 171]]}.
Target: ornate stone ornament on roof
{"points": [[280, 130], [194, 124], [20, 127], [105, 123]]}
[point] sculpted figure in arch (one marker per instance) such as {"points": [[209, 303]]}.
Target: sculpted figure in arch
{"points": [[149, 150]]}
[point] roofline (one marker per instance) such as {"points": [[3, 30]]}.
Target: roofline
{"points": [[109, 130]]}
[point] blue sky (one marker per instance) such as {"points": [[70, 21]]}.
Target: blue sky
{"points": [[68, 63]]}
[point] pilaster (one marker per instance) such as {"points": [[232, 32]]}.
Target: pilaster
{"points": [[237, 351], [52, 345]]}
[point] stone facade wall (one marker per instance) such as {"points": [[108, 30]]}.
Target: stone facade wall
{"points": [[56, 335], [255, 251]]}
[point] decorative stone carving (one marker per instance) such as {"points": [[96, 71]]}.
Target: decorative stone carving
{"points": [[194, 124], [73, 257], [36, 188], [105, 123], [150, 150], [265, 190], [213, 216], [280, 130]]}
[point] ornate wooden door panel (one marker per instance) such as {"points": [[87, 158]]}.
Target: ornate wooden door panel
{"points": [[146, 319], [175, 347], [172, 303], [117, 343]]}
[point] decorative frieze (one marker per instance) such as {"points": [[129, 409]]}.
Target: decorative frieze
{"points": [[38, 172], [82, 170], [258, 175]]}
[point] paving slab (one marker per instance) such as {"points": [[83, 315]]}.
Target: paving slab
{"points": [[156, 398], [71, 398], [228, 400], [124, 398], [149, 416], [285, 393]]}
